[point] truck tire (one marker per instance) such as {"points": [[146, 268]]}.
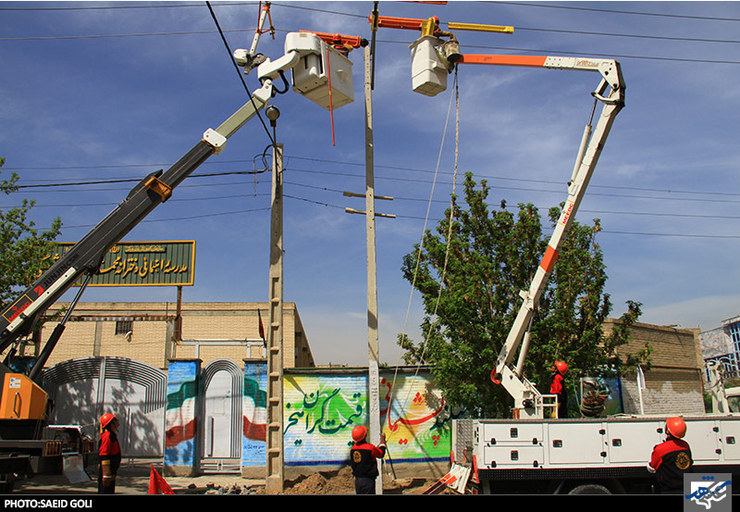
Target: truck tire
{"points": [[589, 489], [7, 482]]}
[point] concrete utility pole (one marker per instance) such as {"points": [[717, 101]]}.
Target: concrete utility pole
{"points": [[372, 285], [374, 428], [274, 480]]}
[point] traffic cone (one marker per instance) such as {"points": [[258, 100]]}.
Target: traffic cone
{"points": [[157, 484]]}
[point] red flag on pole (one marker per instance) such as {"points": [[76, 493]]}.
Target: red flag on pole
{"points": [[157, 484], [261, 327]]}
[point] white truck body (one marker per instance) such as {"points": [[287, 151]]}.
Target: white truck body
{"points": [[557, 455]]}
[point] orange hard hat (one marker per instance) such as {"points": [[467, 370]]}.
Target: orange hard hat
{"points": [[359, 433], [675, 427], [106, 418], [562, 366]]}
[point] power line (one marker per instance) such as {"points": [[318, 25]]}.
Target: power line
{"points": [[166, 5], [171, 200], [674, 235], [505, 48], [288, 158], [409, 217], [397, 198], [518, 28], [410, 199], [638, 36], [238, 72], [324, 11], [712, 199], [175, 219], [616, 11], [169, 5], [135, 180], [135, 34]]}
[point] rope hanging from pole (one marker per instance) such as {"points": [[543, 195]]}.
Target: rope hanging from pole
{"points": [[449, 234]]}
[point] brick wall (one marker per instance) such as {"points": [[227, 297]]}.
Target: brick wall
{"points": [[209, 331], [674, 384]]}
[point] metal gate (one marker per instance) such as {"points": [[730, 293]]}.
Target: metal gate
{"points": [[83, 389]]}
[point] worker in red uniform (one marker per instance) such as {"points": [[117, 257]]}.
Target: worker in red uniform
{"points": [[671, 458], [438, 32], [557, 387], [109, 454], [363, 460], [338, 44]]}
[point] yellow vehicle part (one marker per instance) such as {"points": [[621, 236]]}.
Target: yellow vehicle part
{"points": [[22, 398]]}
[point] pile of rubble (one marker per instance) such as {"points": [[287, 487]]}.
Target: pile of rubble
{"points": [[325, 482]]}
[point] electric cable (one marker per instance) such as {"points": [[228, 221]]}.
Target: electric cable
{"points": [[534, 29], [420, 360], [236, 66], [350, 163], [615, 11], [172, 5]]}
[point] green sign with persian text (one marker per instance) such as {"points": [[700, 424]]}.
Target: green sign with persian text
{"points": [[169, 263]]}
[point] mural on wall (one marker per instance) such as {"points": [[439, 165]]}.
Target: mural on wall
{"points": [[322, 409], [416, 419], [181, 414], [320, 412], [254, 423]]}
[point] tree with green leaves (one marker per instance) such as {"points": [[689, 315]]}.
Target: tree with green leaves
{"points": [[24, 248], [470, 273]]}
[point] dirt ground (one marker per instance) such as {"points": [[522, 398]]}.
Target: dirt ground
{"points": [[134, 479]]}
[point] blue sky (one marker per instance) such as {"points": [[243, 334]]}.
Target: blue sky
{"points": [[96, 91]]}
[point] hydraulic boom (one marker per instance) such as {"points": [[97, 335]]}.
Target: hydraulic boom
{"points": [[86, 255], [84, 258], [431, 60], [610, 93]]}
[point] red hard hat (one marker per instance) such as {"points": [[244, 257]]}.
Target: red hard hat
{"points": [[106, 418], [359, 433], [561, 366], [675, 427]]}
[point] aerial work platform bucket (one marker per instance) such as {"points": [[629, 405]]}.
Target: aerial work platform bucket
{"points": [[428, 69]]}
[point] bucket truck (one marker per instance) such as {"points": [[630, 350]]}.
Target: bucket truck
{"points": [[28, 444], [536, 452]]}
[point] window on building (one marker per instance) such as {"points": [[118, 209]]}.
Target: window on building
{"points": [[124, 326]]}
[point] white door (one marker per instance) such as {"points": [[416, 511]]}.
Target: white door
{"points": [[218, 401]]}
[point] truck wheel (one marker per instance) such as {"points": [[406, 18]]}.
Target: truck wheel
{"points": [[6, 483], [589, 489]]}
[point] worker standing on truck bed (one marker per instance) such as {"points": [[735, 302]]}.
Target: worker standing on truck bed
{"points": [[557, 387], [109, 454], [363, 459], [671, 459]]}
